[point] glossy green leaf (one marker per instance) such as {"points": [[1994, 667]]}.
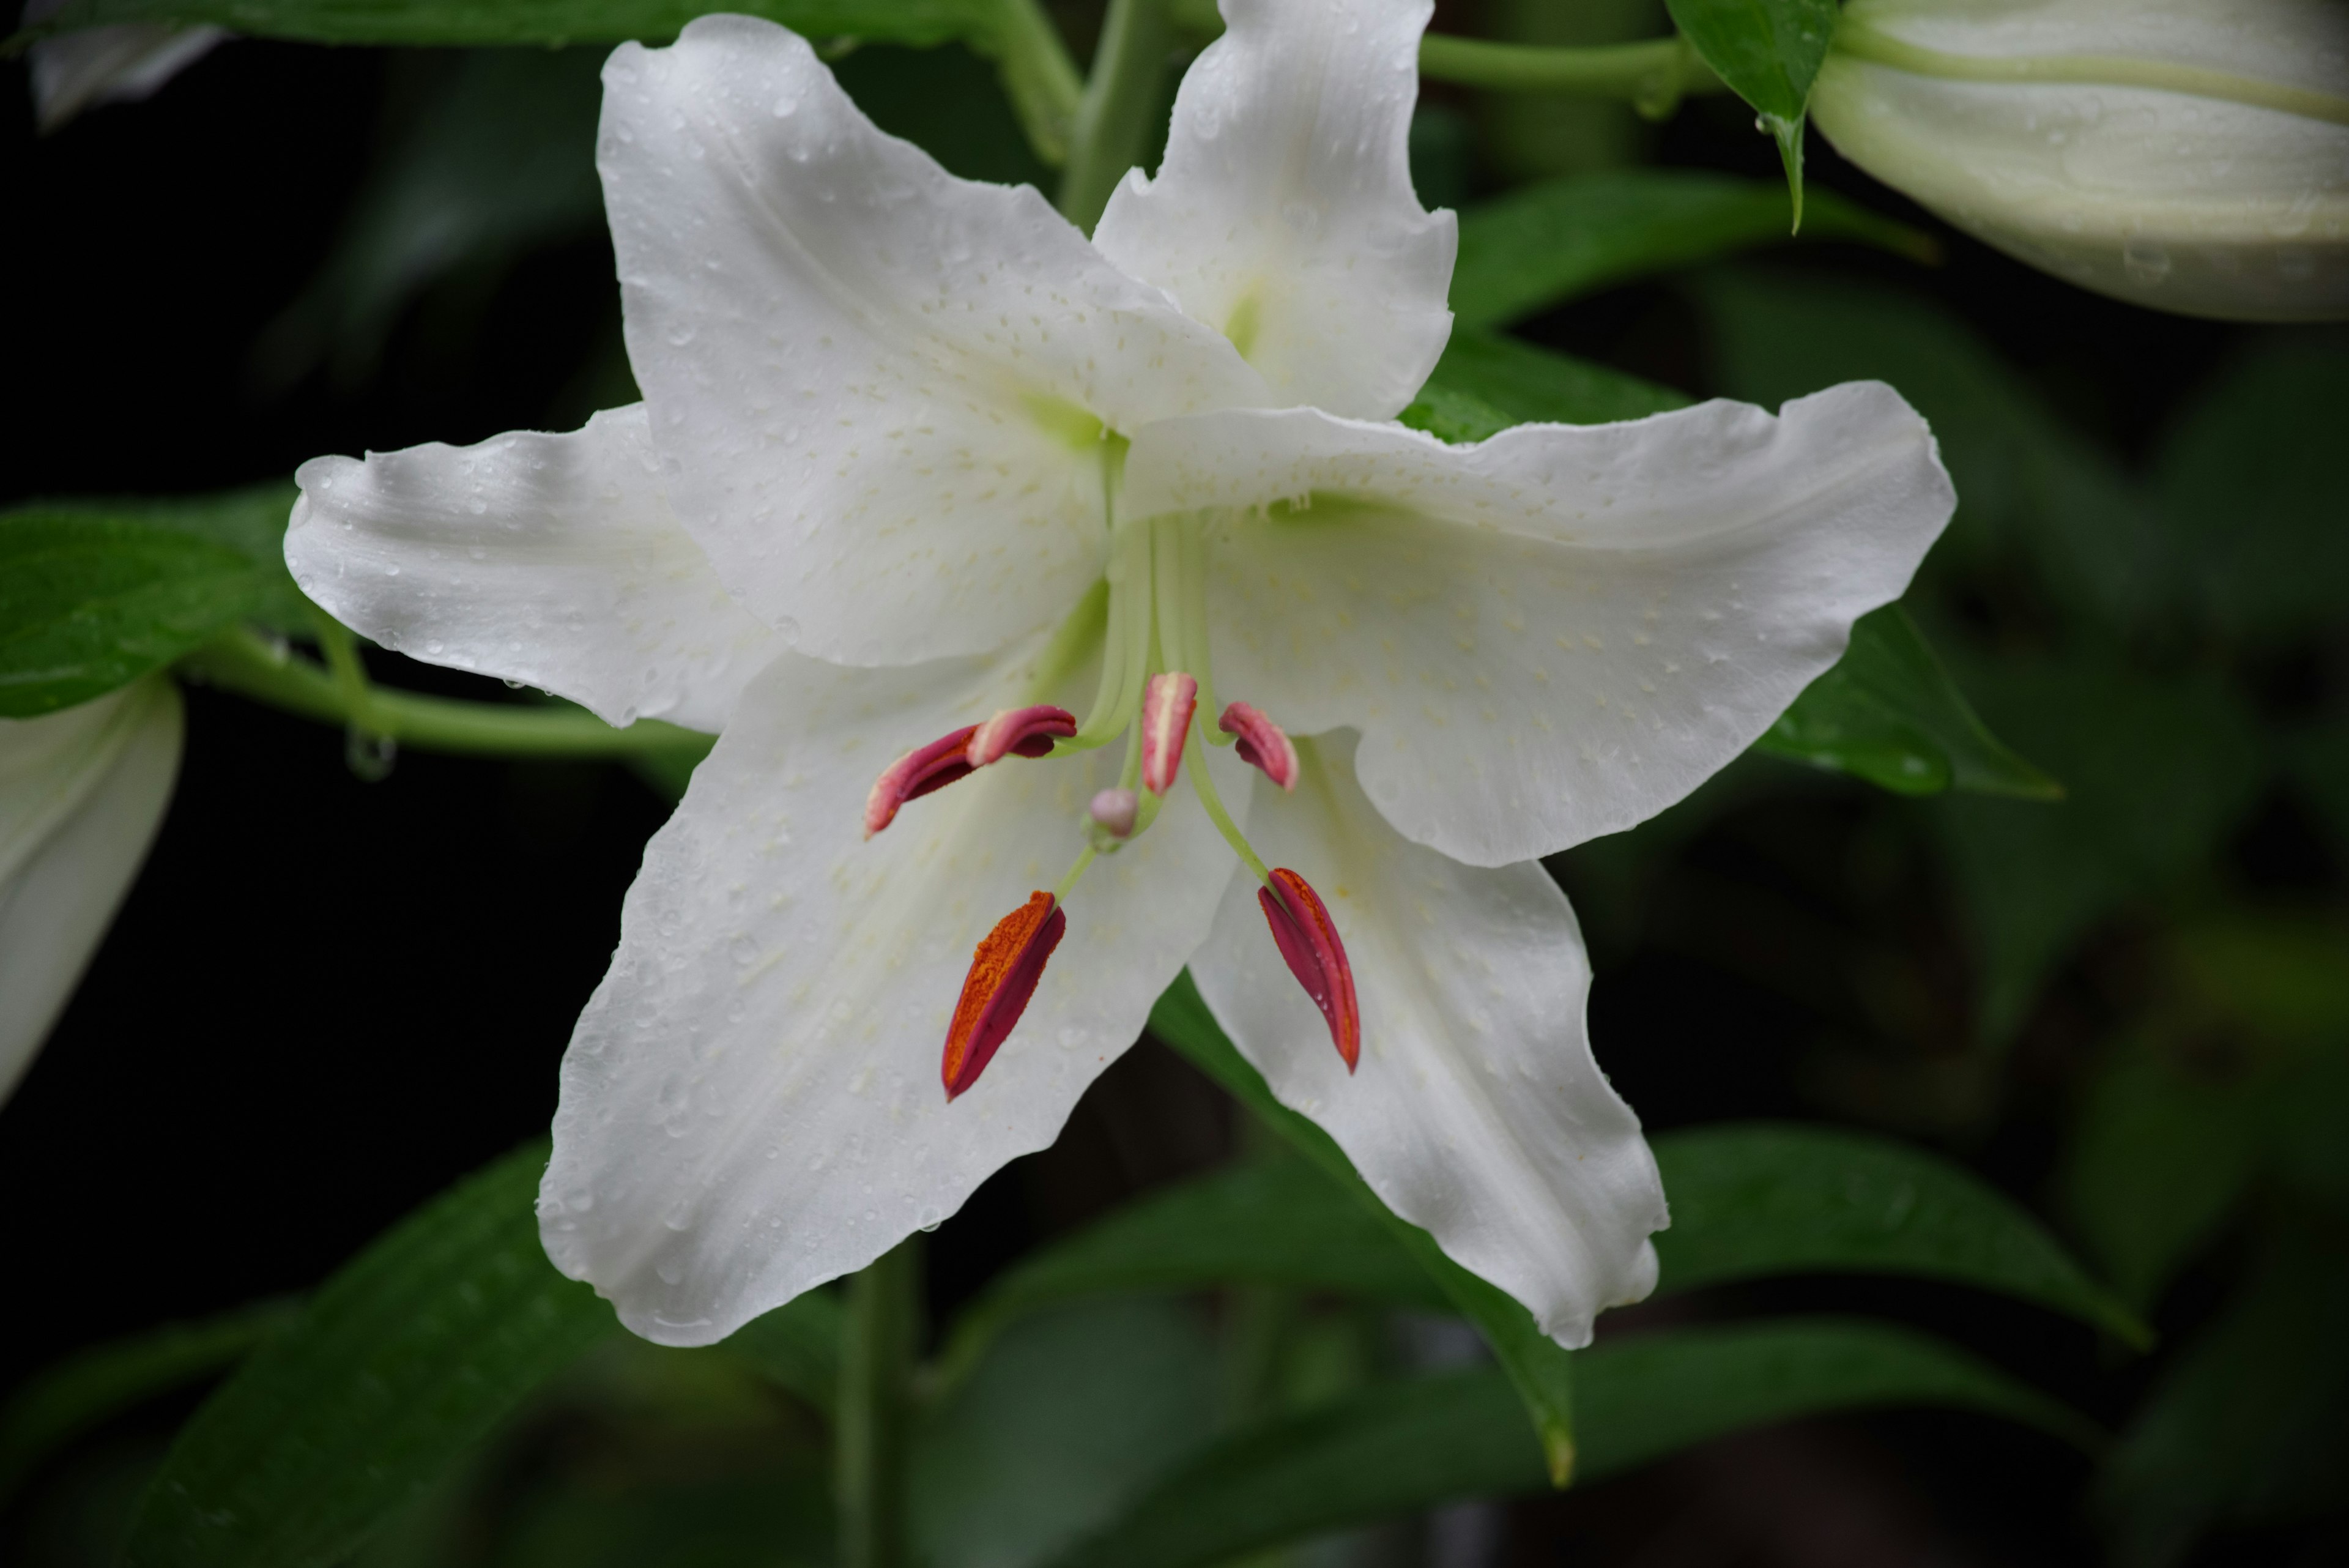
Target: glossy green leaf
{"points": [[1541, 245], [1073, 1413], [94, 594], [1769, 52], [1400, 1448], [1756, 1200], [1537, 1366], [541, 22], [1889, 712], [93, 1386], [400, 1362], [1487, 383], [1277, 1221]]}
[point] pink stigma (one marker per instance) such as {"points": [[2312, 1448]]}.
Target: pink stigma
{"points": [[1166, 705], [1309, 943], [1019, 731], [1113, 811], [1262, 743]]}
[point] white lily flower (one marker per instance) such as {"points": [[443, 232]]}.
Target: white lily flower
{"points": [[990, 487], [2189, 155], [120, 63], [81, 793]]}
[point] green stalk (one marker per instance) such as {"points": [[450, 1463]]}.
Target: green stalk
{"points": [[1113, 119], [1653, 76], [1039, 78], [876, 1360], [243, 662]]}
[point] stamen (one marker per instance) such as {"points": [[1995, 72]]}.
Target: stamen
{"points": [[1262, 743], [1003, 975], [1024, 731], [916, 774], [1015, 731], [1308, 942], [1166, 708]]}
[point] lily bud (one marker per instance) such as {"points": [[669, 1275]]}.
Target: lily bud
{"points": [[2186, 155]]}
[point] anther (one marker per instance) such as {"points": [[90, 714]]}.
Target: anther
{"points": [[1003, 975], [1262, 743], [1308, 942], [1167, 707], [1021, 732]]}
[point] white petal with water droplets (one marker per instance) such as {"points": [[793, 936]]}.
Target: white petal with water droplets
{"points": [[553, 560], [880, 389], [751, 1102], [1284, 213], [1560, 632], [1477, 1111]]}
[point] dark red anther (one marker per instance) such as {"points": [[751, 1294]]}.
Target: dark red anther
{"points": [[1308, 942], [1015, 731]]}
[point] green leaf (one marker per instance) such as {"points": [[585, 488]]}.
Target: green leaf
{"points": [[1399, 1448], [1488, 377], [796, 1346], [94, 594], [539, 22], [1769, 52], [2157, 773], [1541, 245], [1889, 712], [1537, 1366], [1073, 1414], [1761, 1198], [2031, 493], [2248, 484], [401, 1361], [2249, 1424], [1277, 1221], [92, 1386]]}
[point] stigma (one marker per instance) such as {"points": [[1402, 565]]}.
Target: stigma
{"points": [[1003, 975]]}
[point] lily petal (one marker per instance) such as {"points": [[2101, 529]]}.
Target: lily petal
{"points": [[81, 795], [549, 559], [1477, 1111], [881, 390], [1560, 632], [1283, 214], [750, 1104]]}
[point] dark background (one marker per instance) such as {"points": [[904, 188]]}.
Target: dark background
{"points": [[325, 999]]}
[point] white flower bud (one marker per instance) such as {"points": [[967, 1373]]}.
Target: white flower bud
{"points": [[2189, 155]]}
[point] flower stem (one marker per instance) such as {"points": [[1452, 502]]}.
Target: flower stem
{"points": [[1652, 76], [1039, 78], [1112, 120], [876, 1360], [243, 662]]}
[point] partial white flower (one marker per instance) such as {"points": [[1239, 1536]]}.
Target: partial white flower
{"points": [[81, 793], [2189, 155], [1039, 531], [119, 64]]}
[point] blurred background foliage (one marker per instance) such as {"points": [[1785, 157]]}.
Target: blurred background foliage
{"points": [[2129, 1008]]}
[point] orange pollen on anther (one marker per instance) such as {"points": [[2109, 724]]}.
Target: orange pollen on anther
{"points": [[1309, 943], [1003, 975]]}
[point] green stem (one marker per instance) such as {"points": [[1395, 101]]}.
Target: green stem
{"points": [[246, 664], [876, 1361], [1112, 120], [1863, 42], [1653, 75], [1038, 77]]}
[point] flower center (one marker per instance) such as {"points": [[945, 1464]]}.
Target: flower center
{"points": [[1148, 619]]}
